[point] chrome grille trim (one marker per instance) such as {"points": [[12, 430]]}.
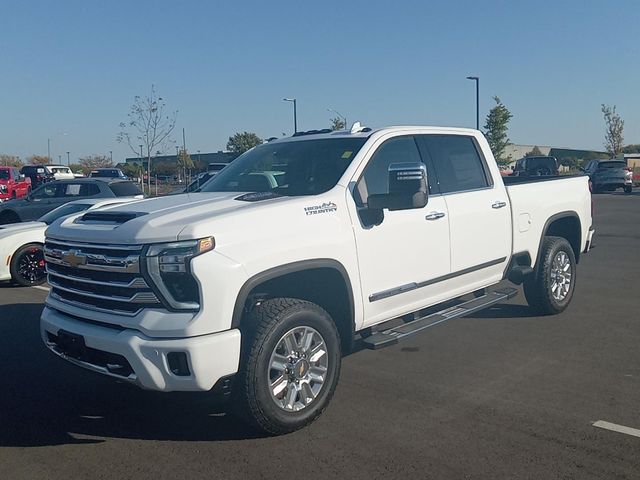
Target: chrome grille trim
{"points": [[88, 306], [137, 282], [137, 248], [104, 263], [139, 297]]}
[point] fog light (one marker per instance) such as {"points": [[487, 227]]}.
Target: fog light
{"points": [[178, 364]]}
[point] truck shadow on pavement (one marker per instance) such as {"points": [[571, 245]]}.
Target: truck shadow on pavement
{"points": [[44, 401]]}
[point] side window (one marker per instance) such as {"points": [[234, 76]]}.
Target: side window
{"points": [[45, 192], [375, 178], [72, 190], [457, 163]]}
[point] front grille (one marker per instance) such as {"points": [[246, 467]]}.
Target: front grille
{"points": [[99, 277]]}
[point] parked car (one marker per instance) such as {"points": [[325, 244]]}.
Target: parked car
{"points": [[13, 184], [609, 175], [216, 167], [21, 243], [38, 175], [60, 172], [53, 194], [536, 167], [108, 173], [260, 283]]}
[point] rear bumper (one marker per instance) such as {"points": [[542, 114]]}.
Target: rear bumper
{"points": [[209, 357], [589, 243]]}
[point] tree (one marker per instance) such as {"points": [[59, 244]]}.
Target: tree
{"points": [[632, 148], [10, 160], [184, 162], [535, 152], [148, 125], [38, 160], [77, 168], [241, 142], [495, 129], [91, 162], [132, 170], [614, 126], [338, 123]]}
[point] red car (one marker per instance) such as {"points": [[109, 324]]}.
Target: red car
{"points": [[13, 184]]}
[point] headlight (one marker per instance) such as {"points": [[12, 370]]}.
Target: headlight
{"points": [[168, 266], [3, 189]]}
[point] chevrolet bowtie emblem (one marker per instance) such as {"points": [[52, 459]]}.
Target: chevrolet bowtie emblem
{"points": [[74, 258]]}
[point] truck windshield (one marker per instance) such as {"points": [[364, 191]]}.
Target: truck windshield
{"points": [[293, 168], [4, 174]]}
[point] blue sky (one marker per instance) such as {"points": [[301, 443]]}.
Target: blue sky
{"points": [[69, 70]]}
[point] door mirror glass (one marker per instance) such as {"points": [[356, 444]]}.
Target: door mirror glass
{"points": [[407, 188]]}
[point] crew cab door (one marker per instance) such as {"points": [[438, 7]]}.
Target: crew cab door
{"points": [[478, 208], [401, 258]]}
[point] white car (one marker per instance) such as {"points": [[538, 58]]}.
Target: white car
{"points": [[21, 257], [60, 172]]}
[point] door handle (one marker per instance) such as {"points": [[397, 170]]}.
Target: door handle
{"points": [[498, 204], [434, 215]]}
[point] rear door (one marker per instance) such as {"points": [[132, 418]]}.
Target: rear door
{"points": [[479, 212]]}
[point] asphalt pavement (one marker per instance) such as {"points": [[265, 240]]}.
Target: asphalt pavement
{"points": [[501, 395]]}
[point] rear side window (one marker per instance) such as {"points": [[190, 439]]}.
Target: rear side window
{"points": [[125, 189], [606, 165], [457, 163]]}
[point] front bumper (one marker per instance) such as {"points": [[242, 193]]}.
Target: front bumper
{"points": [[210, 357]]}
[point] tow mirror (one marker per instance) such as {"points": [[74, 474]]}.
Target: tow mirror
{"points": [[407, 188]]}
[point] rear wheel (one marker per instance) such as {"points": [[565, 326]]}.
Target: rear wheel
{"points": [[27, 265], [628, 189], [550, 289], [289, 366]]}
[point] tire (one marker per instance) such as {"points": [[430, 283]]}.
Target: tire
{"points": [[628, 189], [27, 265], [14, 195], [264, 333], [545, 292], [9, 216]]}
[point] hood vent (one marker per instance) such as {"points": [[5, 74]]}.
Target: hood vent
{"points": [[111, 218]]}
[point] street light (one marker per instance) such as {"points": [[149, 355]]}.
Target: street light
{"points": [[111, 156], [477, 80], [295, 113], [68, 162], [344, 119]]}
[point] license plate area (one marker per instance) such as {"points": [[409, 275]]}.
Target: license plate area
{"points": [[71, 344]]}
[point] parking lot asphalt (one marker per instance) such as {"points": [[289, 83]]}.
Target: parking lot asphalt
{"points": [[502, 394]]}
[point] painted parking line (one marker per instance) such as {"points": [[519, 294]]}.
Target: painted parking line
{"points": [[46, 289], [617, 428]]}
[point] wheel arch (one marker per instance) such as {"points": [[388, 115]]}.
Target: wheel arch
{"points": [[566, 225], [301, 280]]}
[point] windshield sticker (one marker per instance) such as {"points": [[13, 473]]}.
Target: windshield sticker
{"points": [[326, 207], [347, 154]]}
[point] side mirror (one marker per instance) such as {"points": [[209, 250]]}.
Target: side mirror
{"points": [[22, 177], [407, 188]]}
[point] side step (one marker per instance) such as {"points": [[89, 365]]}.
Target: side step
{"points": [[391, 336]]}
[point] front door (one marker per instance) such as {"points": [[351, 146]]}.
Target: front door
{"points": [[402, 258]]}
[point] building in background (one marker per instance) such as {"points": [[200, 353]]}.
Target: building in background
{"points": [[200, 160]]}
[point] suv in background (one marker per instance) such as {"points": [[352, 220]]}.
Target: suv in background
{"points": [[53, 194], [108, 173], [536, 167], [609, 175], [37, 173]]}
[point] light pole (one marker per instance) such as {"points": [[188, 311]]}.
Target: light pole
{"points": [[48, 150], [477, 80], [68, 162], [295, 113], [344, 119], [111, 156]]}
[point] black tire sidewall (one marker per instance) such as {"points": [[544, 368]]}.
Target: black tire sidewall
{"points": [[257, 363], [541, 291], [13, 268]]}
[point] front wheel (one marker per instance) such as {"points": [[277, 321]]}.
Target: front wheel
{"points": [[27, 265], [550, 289], [628, 189], [290, 365]]}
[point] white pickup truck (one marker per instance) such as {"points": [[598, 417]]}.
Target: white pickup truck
{"points": [[258, 284]]}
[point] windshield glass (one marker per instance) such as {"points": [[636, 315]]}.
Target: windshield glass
{"points": [[307, 167], [62, 211], [4, 174]]}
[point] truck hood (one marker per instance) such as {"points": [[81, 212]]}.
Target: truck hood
{"points": [[163, 219]]}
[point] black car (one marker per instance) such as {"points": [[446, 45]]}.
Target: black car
{"points": [[536, 167], [38, 175], [108, 173], [53, 194]]}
